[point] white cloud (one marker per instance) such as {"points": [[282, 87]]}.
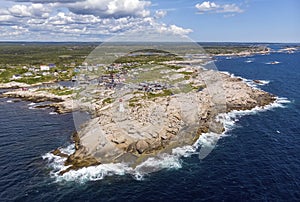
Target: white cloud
{"points": [[179, 30], [207, 6], [213, 7], [110, 8], [231, 8], [33, 10], [160, 13]]}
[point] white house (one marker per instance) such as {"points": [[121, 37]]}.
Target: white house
{"points": [[45, 68], [28, 74], [16, 77]]}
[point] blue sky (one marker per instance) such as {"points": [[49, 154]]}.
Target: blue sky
{"points": [[96, 20]]}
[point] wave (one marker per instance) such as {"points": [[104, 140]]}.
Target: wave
{"points": [[273, 63], [202, 147]]}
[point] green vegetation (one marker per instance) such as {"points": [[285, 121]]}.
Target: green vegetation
{"points": [[133, 102], [186, 73], [146, 56], [112, 72], [232, 49], [44, 53], [199, 88], [108, 101], [164, 93], [57, 91], [186, 77], [66, 56], [173, 66], [33, 80], [9, 72]]}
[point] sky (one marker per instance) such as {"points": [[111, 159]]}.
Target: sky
{"points": [[98, 20]]}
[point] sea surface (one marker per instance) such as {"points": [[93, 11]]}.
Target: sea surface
{"points": [[258, 158]]}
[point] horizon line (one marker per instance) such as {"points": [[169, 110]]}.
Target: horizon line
{"points": [[29, 41]]}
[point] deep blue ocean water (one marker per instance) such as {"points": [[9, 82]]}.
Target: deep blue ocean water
{"points": [[258, 160]]}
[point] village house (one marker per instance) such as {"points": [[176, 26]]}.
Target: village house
{"points": [[28, 74], [16, 77], [44, 68]]}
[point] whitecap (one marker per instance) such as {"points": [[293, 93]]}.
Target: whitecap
{"points": [[53, 113], [249, 60], [273, 63]]}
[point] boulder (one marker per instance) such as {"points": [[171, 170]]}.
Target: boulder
{"points": [[142, 146]]}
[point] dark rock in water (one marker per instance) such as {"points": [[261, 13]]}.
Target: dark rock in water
{"points": [[79, 161], [41, 106], [258, 81], [57, 152]]}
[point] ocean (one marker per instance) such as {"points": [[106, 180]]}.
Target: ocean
{"points": [[257, 159]]}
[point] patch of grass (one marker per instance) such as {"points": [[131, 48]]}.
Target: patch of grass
{"points": [[133, 102], [32, 80], [146, 56], [186, 77], [186, 73], [175, 67], [108, 101], [199, 88], [112, 72], [164, 93], [57, 91]]}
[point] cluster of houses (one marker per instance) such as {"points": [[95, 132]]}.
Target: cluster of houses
{"points": [[37, 72], [151, 87]]}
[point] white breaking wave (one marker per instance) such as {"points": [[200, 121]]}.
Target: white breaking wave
{"points": [[249, 82], [53, 113], [229, 119], [202, 147]]}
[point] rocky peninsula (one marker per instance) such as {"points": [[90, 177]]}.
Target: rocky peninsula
{"points": [[140, 110], [137, 115]]}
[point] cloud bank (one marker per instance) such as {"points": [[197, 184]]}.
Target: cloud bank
{"points": [[79, 20]]}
